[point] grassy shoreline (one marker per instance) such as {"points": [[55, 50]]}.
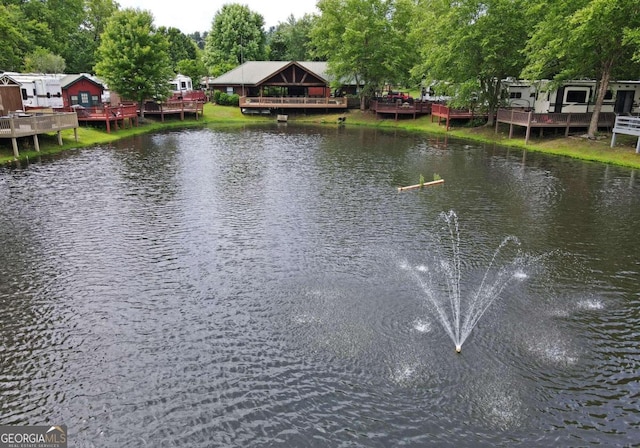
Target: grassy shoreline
{"points": [[573, 146]]}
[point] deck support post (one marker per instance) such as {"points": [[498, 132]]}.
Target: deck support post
{"points": [[36, 143], [566, 132], [14, 144]]}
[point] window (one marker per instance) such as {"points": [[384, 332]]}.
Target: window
{"points": [[183, 85], [515, 95], [229, 90], [74, 99], [608, 95], [576, 96], [84, 97], [24, 94], [94, 99]]}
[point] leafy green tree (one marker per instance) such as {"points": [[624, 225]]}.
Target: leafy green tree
{"points": [[291, 40], [181, 47], [473, 45], [193, 68], [583, 38], [43, 61], [13, 41], [84, 41], [365, 41], [133, 57], [632, 38], [199, 38], [236, 36]]}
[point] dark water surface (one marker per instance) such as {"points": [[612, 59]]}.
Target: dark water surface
{"points": [[249, 288]]}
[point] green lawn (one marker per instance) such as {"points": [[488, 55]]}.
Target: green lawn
{"points": [[576, 147]]}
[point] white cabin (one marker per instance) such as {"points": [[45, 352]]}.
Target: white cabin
{"points": [[622, 97], [39, 90]]}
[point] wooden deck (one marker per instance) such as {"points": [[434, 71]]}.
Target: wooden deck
{"points": [[442, 111], [283, 102], [175, 107], [628, 126], [109, 115], [397, 108], [531, 120], [25, 125]]}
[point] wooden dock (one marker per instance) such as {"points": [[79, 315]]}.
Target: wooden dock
{"points": [[399, 108], [447, 113], [284, 102], [175, 107], [110, 115], [531, 120], [26, 125]]}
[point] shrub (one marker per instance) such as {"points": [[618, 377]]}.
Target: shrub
{"points": [[225, 99]]}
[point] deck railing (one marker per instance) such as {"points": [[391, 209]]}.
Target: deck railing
{"points": [[175, 105], [104, 112], [406, 107], [523, 118], [269, 101], [21, 126]]}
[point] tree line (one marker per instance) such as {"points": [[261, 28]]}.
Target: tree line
{"points": [[464, 48]]}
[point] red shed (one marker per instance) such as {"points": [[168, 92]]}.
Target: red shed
{"points": [[81, 90]]}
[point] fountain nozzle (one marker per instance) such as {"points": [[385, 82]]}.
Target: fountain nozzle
{"points": [[458, 348]]}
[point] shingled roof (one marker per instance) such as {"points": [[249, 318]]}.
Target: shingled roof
{"points": [[256, 72]]}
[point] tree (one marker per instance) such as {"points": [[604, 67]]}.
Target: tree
{"points": [[84, 41], [473, 45], [236, 36], [583, 38], [291, 40], [132, 57], [13, 40], [181, 47], [365, 41], [199, 39], [43, 61], [193, 68]]}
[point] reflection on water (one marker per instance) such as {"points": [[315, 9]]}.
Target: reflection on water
{"points": [[250, 288]]}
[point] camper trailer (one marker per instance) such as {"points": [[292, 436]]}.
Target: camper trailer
{"points": [[39, 90], [182, 89], [519, 94], [579, 96], [180, 85]]}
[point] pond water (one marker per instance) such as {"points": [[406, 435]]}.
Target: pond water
{"points": [[255, 287]]}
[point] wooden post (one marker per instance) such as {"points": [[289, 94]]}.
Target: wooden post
{"points": [[14, 141], [566, 132], [638, 146], [106, 116], [59, 138], [526, 138], [35, 142], [75, 134]]}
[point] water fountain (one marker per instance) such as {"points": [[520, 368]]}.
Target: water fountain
{"points": [[453, 301]]}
